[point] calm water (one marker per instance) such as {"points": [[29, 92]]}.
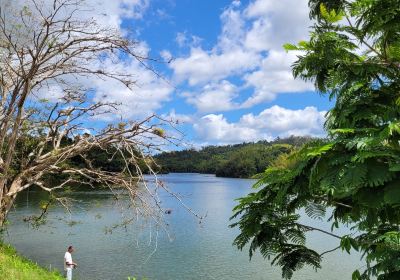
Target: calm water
{"points": [[193, 251]]}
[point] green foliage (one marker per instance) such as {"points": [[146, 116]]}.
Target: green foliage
{"points": [[330, 16], [356, 171], [13, 266], [238, 161], [159, 132]]}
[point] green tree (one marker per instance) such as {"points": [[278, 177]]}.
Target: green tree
{"points": [[353, 56], [240, 160]]}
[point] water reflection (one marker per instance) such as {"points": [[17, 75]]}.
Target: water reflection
{"points": [[198, 251]]}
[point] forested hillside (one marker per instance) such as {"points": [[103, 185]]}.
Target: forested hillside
{"points": [[240, 161]]}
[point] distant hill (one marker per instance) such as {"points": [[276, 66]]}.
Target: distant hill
{"points": [[239, 161]]}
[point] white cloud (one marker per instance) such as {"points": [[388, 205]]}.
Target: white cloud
{"points": [[166, 55], [285, 122], [51, 92], [172, 116], [249, 47], [203, 67], [273, 77], [233, 30], [227, 58], [111, 13], [270, 123], [214, 97], [150, 92], [181, 39], [148, 96], [276, 23], [215, 128], [236, 3]]}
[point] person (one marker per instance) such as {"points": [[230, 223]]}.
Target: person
{"points": [[68, 263]]}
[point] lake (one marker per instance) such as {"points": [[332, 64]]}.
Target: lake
{"points": [[191, 251]]}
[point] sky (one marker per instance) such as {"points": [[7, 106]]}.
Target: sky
{"points": [[226, 77]]}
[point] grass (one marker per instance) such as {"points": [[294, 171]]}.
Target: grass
{"points": [[16, 267]]}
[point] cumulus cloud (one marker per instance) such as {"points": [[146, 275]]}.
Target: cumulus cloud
{"points": [[269, 124], [273, 77], [202, 66], [147, 96], [249, 48], [52, 92], [227, 58], [111, 13], [216, 128], [150, 92], [214, 97], [276, 23], [285, 122]]}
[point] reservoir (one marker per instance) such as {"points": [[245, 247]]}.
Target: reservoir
{"points": [[187, 250]]}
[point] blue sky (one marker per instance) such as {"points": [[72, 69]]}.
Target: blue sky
{"points": [[229, 80]]}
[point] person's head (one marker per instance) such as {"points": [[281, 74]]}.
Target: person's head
{"points": [[70, 249]]}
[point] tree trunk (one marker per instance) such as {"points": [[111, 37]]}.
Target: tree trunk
{"points": [[6, 204], [7, 201]]}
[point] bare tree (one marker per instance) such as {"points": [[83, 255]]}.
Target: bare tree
{"points": [[46, 43]]}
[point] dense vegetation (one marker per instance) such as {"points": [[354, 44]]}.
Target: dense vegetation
{"points": [[13, 266], [239, 161], [107, 159], [354, 56]]}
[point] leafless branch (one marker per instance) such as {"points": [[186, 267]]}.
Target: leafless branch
{"points": [[43, 44]]}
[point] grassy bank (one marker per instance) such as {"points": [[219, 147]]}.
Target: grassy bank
{"points": [[15, 267]]}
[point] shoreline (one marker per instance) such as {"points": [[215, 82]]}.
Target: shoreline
{"points": [[17, 267]]}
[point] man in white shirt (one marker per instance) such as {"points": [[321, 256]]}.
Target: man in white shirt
{"points": [[68, 263]]}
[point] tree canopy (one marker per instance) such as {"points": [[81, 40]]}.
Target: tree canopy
{"points": [[238, 161], [353, 55]]}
